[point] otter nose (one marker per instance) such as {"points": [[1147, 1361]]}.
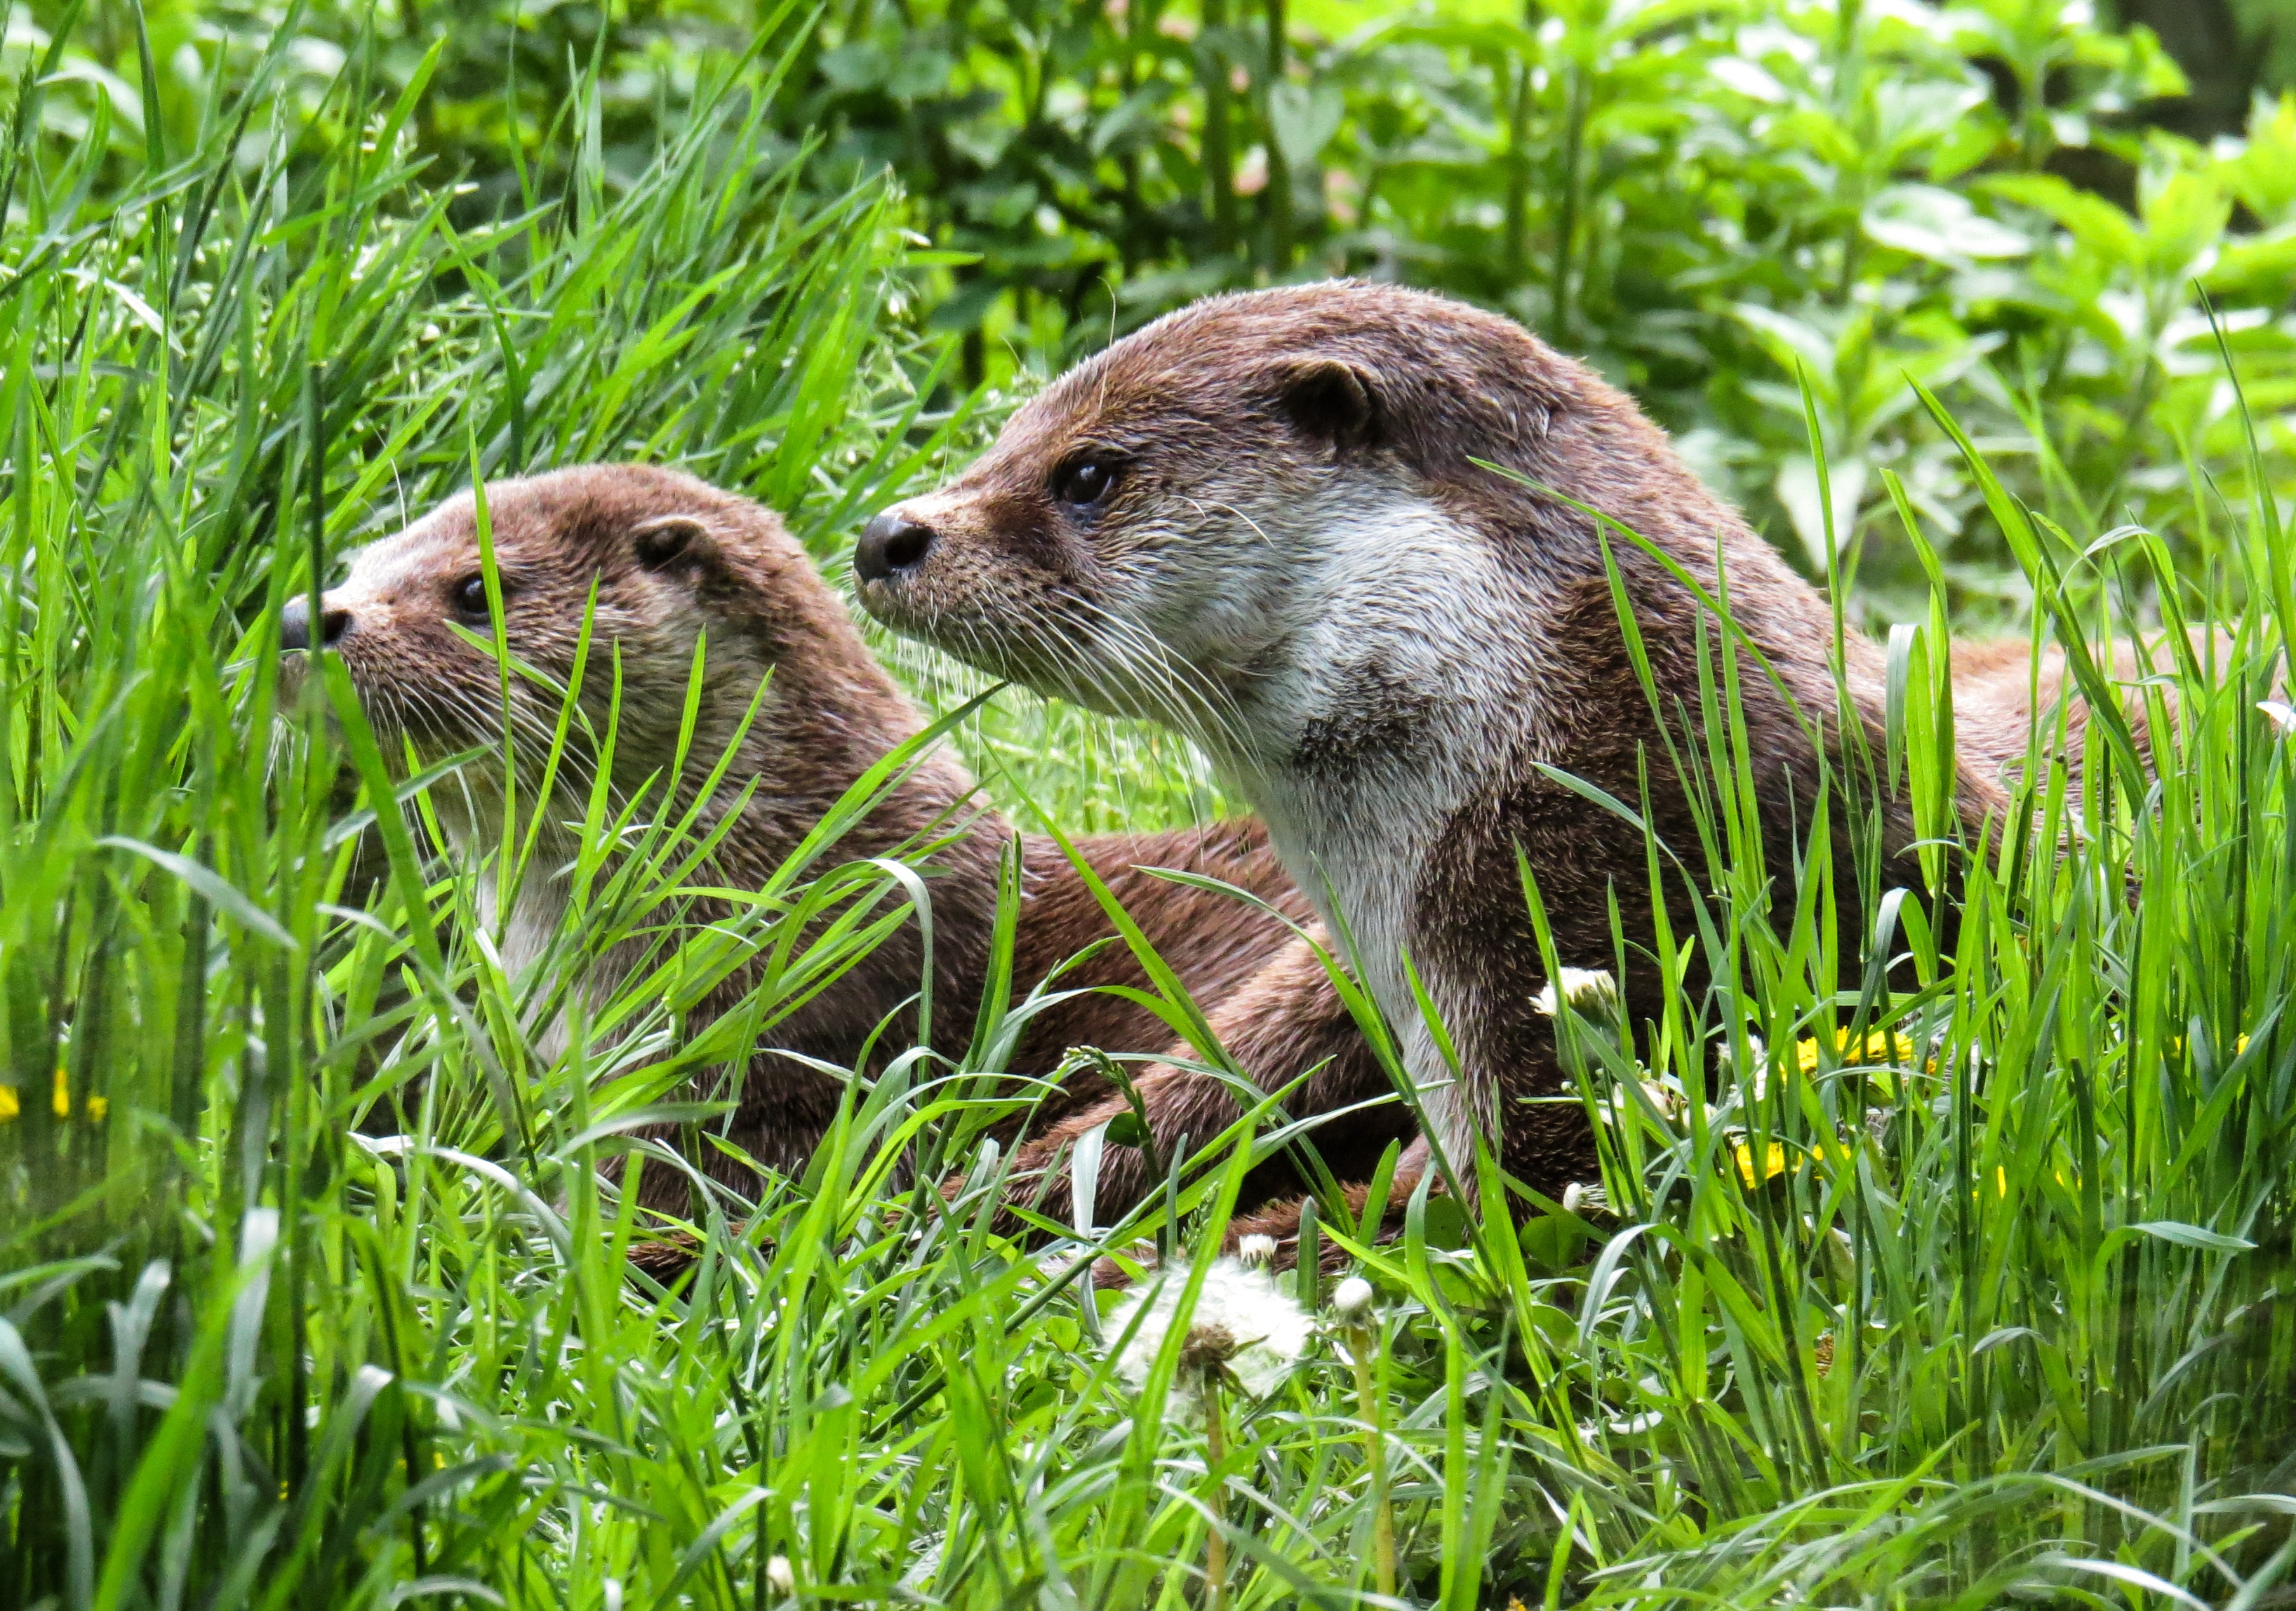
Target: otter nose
{"points": [[889, 544], [295, 624]]}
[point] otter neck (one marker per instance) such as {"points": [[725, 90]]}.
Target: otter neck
{"points": [[1414, 667], [771, 825]]}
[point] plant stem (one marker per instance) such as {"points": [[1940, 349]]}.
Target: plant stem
{"points": [[1216, 1458], [1220, 167], [1566, 224], [1370, 1407], [1279, 172], [1518, 170]]}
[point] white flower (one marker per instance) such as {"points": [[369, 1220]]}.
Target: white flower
{"points": [[1663, 1099], [1255, 1249], [1579, 1199], [2283, 715], [781, 1577], [1755, 1081], [1351, 1301], [1246, 1331], [1592, 992], [1754, 1077]]}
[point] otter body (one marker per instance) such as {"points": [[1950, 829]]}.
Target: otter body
{"points": [[1259, 519], [678, 564]]}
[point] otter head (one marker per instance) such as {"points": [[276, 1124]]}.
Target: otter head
{"points": [[1232, 500], [669, 558]]}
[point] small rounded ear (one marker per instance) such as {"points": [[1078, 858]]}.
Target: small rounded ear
{"points": [[668, 540], [1333, 401]]}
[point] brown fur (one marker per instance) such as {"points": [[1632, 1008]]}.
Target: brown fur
{"points": [[1283, 1022], [672, 558], [2005, 708], [1229, 418]]}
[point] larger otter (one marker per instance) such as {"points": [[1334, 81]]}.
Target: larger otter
{"points": [[1260, 520], [672, 560]]}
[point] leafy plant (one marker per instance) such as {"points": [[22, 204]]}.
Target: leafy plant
{"points": [[1710, 201], [312, 1291]]}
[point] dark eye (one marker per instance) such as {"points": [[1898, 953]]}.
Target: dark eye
{"points": [[1086, 482], [471, 596]]}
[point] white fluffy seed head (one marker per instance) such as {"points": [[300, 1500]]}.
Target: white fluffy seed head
{"points": [[781, 1577], [1257, 1330], [1255, 1249], [1351, 1301], [1592, 993], [1579, 1198]]}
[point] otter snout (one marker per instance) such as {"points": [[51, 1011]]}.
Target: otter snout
{"points": [[891, 545], [295, 623]]}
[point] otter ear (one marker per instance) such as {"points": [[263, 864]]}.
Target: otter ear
{"points": [[667, 542], [1333, 401]]}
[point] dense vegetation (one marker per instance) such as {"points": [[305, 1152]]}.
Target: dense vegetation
{"points": [[1709, 198], [309, 1291]]}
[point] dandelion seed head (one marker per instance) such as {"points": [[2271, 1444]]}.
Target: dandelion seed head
{"points": [[1255, 1249], [1208, 1348], [1351, 1301], [1246, 1331], [1591, 992], [1580, 1198]]}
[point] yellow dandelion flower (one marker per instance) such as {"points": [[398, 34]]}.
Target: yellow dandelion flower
{"points": [[1879, 1046], [1772, 1165], [63, 1094], [9, 1106], [98, 1110]]}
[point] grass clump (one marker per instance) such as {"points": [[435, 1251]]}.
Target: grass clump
{"points": [[1952, 1289]]}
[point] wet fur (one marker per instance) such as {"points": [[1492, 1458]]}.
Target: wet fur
{"points": [[830, 713], [1380, 644]]}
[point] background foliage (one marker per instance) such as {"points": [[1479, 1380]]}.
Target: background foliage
{"points": [[309, 1292], [1709, 199]]}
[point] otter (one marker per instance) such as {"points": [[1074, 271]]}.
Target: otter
{"points": [[1261, 519], [677, 563]]}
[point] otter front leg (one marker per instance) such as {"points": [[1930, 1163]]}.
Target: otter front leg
{"points": [[1285, 1021], [1279, 1222]]}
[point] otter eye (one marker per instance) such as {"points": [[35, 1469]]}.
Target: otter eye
{"points": [[471, 596], [1085, 482]]}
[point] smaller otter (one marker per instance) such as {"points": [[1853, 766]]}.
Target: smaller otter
{"points": [[676, 564], [1261, 519]]}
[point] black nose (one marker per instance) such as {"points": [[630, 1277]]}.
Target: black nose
{"points": [[295, 624], [890, 543]]}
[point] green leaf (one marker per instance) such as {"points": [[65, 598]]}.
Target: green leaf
{"points": [[1126, 1130], [2193, 1236]]}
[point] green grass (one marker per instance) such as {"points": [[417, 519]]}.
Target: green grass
{"points": [[328, 1306]]}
